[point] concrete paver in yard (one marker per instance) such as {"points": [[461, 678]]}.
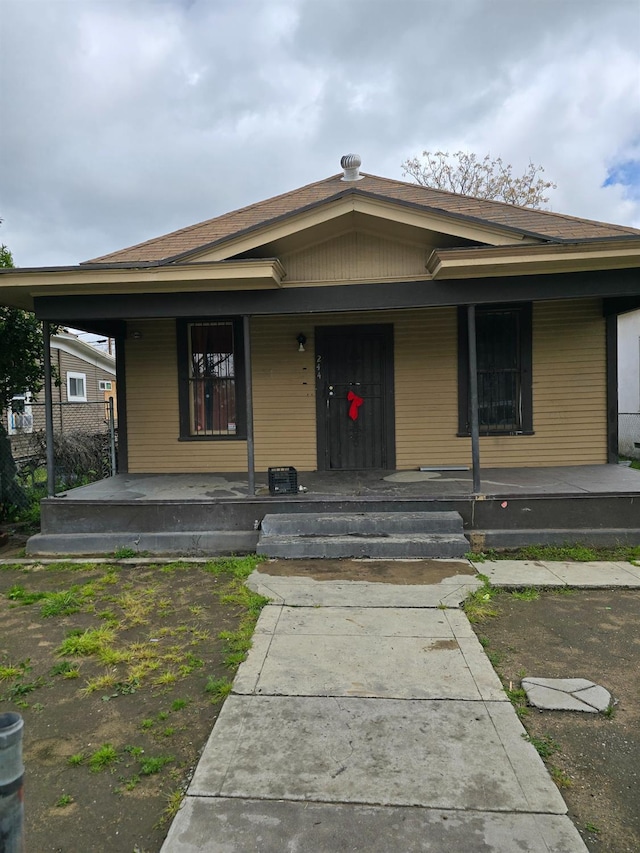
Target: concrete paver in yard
{"points": [[551, 573], [368, 718]]}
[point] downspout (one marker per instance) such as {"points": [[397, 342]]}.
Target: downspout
{"points": [[248, 390], [473, 391], [48, 409]]}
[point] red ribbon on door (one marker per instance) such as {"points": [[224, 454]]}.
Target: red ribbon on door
{"points": [[356, 402]]}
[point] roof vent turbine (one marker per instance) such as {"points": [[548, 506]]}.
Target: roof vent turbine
{"points": [[351, 164]]}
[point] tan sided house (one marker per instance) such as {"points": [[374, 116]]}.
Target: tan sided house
{"points": [[332, 329]]}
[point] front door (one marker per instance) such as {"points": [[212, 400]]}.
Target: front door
{"points": [[355, 406]]}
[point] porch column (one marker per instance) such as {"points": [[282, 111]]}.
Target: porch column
{"points": [[48, 409], [612, 387], [248, 389], [473, 391]]}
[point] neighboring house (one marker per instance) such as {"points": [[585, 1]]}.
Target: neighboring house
{"points": [[629, 383], [87, 378], [330, 324]]}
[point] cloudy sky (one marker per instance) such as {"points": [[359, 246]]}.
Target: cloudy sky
{"points": [[125, 119]]}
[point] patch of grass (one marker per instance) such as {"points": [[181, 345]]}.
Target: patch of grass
{"points": [[592, 828], [19, 594], [63, 667], [479, 605], [76, 760], [562, 779], [9, 672], [100, 682], [61, 603], [529, 594], [86, 643], [572, 552], [482, 556], [544, 745], [218, 688], [64, 800], [239, 567], [609, 712], [494, 658], [103, 757], [179, 704], [151, 765], [147, 723], [165, 679]]}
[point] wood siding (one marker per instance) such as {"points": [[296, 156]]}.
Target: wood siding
{"points": [[356, 256], [569, 394]]}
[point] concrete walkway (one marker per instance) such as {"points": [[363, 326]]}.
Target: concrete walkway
{"points": [[368, 718]]}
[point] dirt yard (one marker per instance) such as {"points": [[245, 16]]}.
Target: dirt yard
{"points": [[595, 759], [119, 673]]}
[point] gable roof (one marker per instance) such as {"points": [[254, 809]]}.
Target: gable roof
{"points": [[538, 224]]}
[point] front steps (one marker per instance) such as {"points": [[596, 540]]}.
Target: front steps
{"points": [[379, 535]]}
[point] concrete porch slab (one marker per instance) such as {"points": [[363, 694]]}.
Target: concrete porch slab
{"points": [[205, 825], [375, 751]]}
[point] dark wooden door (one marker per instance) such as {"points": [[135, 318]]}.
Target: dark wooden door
{"points": [[356, 359]]}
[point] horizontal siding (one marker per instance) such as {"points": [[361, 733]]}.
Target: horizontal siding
{"points": [[569, 394], [355, 256]]}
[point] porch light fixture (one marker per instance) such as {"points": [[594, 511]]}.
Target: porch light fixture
{"points": [[136, 335], [301, 339]]}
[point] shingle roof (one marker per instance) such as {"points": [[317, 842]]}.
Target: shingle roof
{"points": [[541, 223]]}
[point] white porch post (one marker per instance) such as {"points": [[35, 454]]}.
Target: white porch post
{"points": [[48, 409], [248, 388], [473, 393]]}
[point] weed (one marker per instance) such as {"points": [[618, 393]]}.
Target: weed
{"points": [[544, 745], [609, 712], [166, 679], [103, 757], [494, 658], [124, 553], [478, 605], [179, 704], [64, 800], [131, 783], [147, 723], [63, 667], [61, 603], [482, 556], [484, 641], [169, 731], [19, 593], [174, 801], [176, 566], [37, 706], [592, 828], [148, 766], [529, 594], [8, 672], [562, 779], [218, 688], [101, 682], [163, 715], [135, 751], [76, 760], [86, 643], [23, 688]]}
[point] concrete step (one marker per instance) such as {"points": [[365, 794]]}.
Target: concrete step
{"points": [[376, 547], [360, 523], [381, 535]]}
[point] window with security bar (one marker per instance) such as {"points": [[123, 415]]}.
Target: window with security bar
{"points": [[503, 349], [210, 367]]}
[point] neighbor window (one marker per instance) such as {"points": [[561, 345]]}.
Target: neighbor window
{"points": [[20, 414], [211, 379], [76, 387], [104, 385], [503, 345]]}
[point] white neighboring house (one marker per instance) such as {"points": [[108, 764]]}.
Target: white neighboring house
{"points": [[629, 384], [87, 380]]}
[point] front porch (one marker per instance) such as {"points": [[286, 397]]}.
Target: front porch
{"points": [[214, 514]]}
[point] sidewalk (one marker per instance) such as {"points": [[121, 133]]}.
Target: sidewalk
{"points": [[368, 718]]}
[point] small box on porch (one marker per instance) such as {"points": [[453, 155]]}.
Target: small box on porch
{"points": [[283, 481]]}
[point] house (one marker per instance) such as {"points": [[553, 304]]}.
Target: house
{"points": [[629, 384], [358, 324], [80, 399]]}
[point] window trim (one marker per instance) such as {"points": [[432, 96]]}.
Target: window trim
{"points": [[182, 342], [525, 311], [76, 398]]}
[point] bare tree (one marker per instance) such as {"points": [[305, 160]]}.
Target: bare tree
{"points": [[462, 172]]}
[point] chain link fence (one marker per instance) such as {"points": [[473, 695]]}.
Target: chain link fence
{"points": [[85, 442], [629, 434]]}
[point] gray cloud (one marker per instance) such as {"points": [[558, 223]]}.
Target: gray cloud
{"points": [[123, 120]]}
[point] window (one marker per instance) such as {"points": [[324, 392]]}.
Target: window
{"points": [[211, 371], [503, 344], [20, 414], [104, 385], [76, 387]]}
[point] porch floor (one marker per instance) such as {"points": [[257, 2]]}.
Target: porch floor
{"points": [[368, 485]]}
